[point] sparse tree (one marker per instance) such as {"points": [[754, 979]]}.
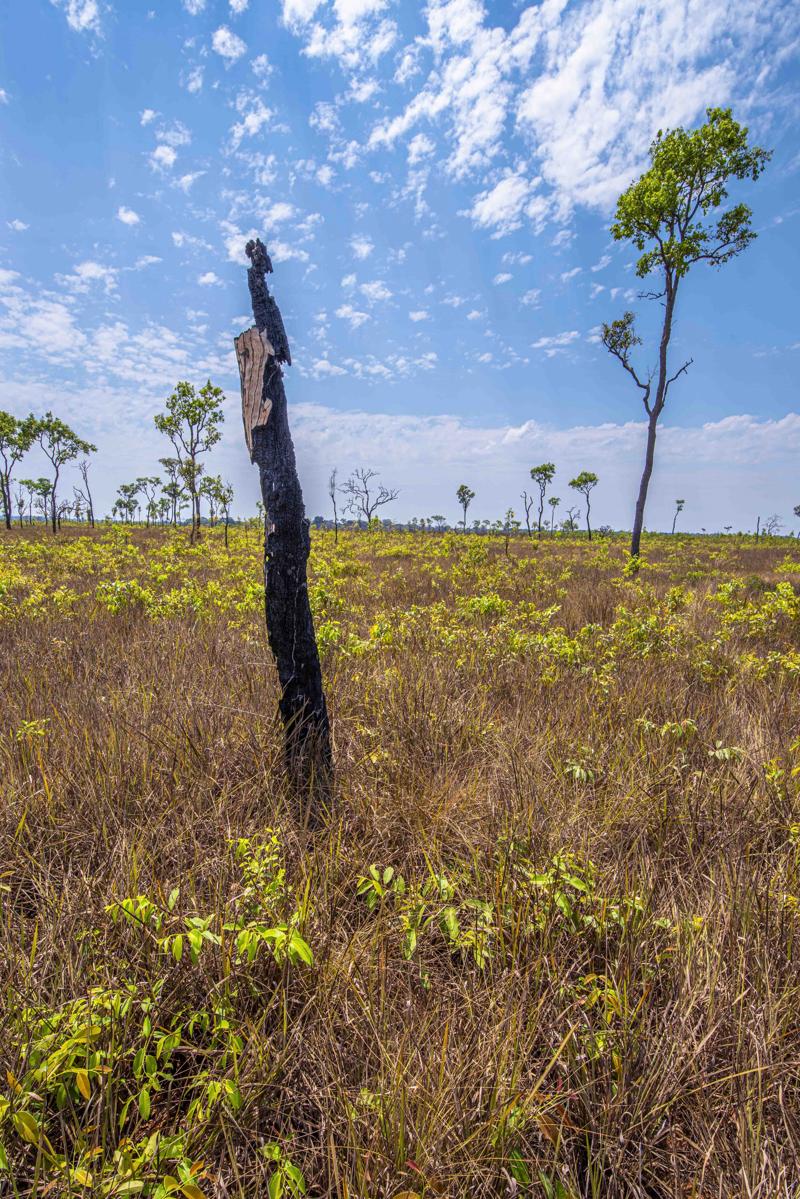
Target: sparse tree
{"points": [[542, 476], [127, 496], [772, 525], [527, 503], [60, 445], [440, 521], [173, 487], [554, 501], [570, 524], [671, 215], [148, 486], [679, 505], [365, 497], [465, 495], [585, 482], [20, 500], [332, 492], [40, 493], [16, 438], [510, 523], [192, 422], [85, 491]]}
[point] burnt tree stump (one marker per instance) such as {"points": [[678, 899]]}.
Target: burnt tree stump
{"points": [[260, 351]]}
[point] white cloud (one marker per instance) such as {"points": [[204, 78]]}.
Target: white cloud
{"points": [[127, 215], [602, 263], [163, 158], [362, 247], [347, 312], [325, 175], [503, 277], [254, 118], [4, 97], [147, 116], [503, 206], [146, 260], [86, 274], [238, 6], [174, 135], [194, 80], [185, 182], [299, 12], [420, 314], [557, 343], [375, 291], [321, 368], [209, 279], [531, 297], [194, 7], [281, 251], [420, 147], [475, 315], [261, 67], [17, 225], [82, 15], [228, 44], [348, 281], [567, 275]]}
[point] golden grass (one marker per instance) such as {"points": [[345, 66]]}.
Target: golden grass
{"points": [[586, 983]]}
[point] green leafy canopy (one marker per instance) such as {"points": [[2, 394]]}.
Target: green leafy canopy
{"points": [[667, 213]]}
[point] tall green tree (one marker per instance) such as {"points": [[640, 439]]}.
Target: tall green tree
{"points": [[191, 422], [676, 216], [16, 438], [59, 444], [542, 476], [465, 495], [585, 482]]}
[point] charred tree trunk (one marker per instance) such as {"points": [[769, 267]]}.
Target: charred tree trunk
{"points": [[290, 627]]}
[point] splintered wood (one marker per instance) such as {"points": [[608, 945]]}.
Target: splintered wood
{"points": [[253, 348]]}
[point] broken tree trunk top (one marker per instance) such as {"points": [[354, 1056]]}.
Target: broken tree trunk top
{"points": [[253, 349]]}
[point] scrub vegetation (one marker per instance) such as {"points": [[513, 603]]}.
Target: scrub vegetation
{"points": [[545, 943]]}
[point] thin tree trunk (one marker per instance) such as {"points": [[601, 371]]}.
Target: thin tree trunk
{"points": [[290, 625], [638, 519], [654, 414], [5, 484]]}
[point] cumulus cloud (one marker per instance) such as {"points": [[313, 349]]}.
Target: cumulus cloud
{"points": [[362, 247], [347, 312], [163, 157], [147, 116], [194, 80], [255, 114], [88, 273], [17, 225], [209, 279], [502, 277], [557, 343], [419, 314], [127, 215], [82, 15], [375, 291], [228, 44]]}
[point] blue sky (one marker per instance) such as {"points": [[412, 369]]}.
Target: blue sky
{"points": [[435, 184]]}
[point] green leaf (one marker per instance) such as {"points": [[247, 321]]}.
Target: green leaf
{"points": [[144, 1103]]}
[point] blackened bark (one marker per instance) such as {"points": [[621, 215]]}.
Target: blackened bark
{"points": [[290, 626]]}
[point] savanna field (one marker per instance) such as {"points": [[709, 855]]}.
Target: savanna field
{"points": [[546, 943]]}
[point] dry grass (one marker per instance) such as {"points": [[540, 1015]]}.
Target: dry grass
{"points": [[624, 1022]]}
